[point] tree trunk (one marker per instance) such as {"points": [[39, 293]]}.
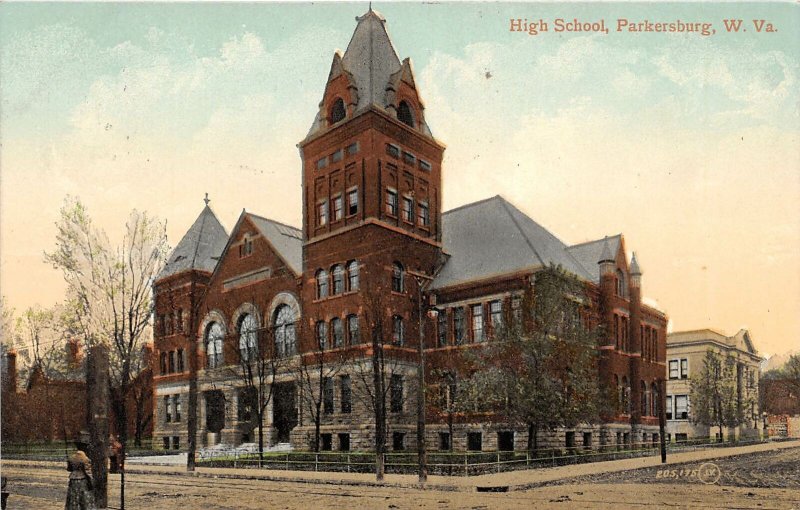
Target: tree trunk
{"points": [[97, 408], [380, 411], [533, 439], [261, 438]]}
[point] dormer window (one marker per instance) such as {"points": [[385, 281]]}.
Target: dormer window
{"points": [[338, 111], [405, 114]]}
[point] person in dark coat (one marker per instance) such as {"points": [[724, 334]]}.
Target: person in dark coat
{"points": [[79, 492]]}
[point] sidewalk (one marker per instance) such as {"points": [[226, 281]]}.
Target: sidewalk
{"points": [[512, 480]]}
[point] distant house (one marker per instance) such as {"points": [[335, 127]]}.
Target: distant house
{"points": [[686, 351]]}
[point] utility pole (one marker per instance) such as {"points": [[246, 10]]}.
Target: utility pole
{"points": [[422, 452], [662, 418]]}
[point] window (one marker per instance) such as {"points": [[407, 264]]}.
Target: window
{"points": [[474, 441], [570, 439], [338, 207], [346, 394], [248, 402], [322, 284], [167, 409], [587, 440], [516, 309], [684, 368], [352, 275], [669, 407], [352, 330], [398, 441], [179, 360], [398, 330], [327, 395], [248, 330], [171, 367], [285, 332], [322, 163], [338, 279], [344, 442], [322, 334], [620, 283], [444, 440], [163, 362], [424, 165], [626, 395], [338, 111], [405, 114], [327, 442], [396, 393], [409, 158], [644, 398], [213, 342], [505, 441], [338, 332], [322, 213], [246, 248], [673, 369], [496, 314], [352, 201], [442, 328], [393, 150], [352, 149], [397, 277], [179, 320], [176, 442], [477, 323], [391, 202], [337, 156], [165, 440], [424, 214], [458, 325], [681, 407], [408, 209]]}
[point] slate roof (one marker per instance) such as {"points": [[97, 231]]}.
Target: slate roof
{"points": [[287, 241], [200, 248], [372, 64], [491, 238], [590, 253]]}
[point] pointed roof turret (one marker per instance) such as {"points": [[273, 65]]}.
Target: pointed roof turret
{"points": [[200, 247], [371, 59], [635, 270], [605, 255]]}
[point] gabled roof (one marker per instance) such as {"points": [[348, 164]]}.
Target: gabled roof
{"points": [[287, 241], [491, 238], [589, 254], [740, 340], [200, 248]]}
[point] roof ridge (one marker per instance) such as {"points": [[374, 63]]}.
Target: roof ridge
{"points": [[519, 228], [594, 241], [275, 221], [203, 216], [471, 204]]}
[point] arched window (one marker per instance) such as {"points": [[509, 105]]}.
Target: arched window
{"points": [[352, 329], [284, 327], [338, 279], [338, 111], [338, 332], [398, 274], [620, 283], [322, 334], [626, 396], [398, 330], [618, 390], [405, 114], [248, 337], [352, 275], [213, 341], [654, 399], [645, 399], [322, 284]]}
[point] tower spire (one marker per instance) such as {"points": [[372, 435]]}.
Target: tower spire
{"points": [[206, 199]]}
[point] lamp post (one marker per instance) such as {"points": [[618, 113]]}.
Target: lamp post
{"points": [[422, 454]]}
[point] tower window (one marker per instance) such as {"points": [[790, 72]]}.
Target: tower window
{"points": [[322, 163], [409, 158], [352, 275], [405, 114], [322, 334], [398, 330], [338, 279], [408, 209], [338, 111], [338, 332], [337, 156], [391, 202], [322, 284], [352, 201], [322, 213], [424, 214], [352, 329], [352, 149], [424, 165], [393, 150], [338, 207], [397, 277]]}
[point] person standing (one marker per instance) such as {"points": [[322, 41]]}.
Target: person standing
{"points": [[79, 492]]}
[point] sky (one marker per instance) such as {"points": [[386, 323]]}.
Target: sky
{"points": [[689, 145]]}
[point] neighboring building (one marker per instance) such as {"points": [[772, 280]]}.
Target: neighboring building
{"points": [[373, 239], [686, 351]]}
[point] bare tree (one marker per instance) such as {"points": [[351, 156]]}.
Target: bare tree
{"points": [[110, 290]]}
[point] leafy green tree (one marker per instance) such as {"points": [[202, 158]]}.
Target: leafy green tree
{"points": [[716, 394], [540, 370]]}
